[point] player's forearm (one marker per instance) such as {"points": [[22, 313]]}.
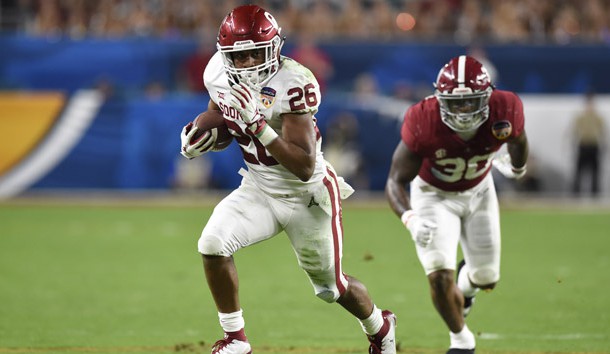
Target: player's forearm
{"points": [[296, 160], [397, 197], [518, 151]]}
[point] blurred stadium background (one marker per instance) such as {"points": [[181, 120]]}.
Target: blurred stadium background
{"points": [[94, 93]]}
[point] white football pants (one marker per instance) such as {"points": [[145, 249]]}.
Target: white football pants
{"points": [[470, 219], [312, 222]]}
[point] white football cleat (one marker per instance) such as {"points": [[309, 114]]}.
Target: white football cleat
{"points": [[384, 342], [232, 343]]}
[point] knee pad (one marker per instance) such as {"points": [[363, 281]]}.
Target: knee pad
{"points": [[484, 276], [328, 295], [211, 245], [433, 261]]}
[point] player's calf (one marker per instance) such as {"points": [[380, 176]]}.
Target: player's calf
{"points": [[467, 288]]}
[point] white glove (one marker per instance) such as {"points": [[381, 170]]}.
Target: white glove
{"points": [[191, 149], [245, 103], [503, 164], [422, 230]]}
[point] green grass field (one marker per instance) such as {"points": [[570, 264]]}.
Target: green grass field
{"points": [[128, 279]]}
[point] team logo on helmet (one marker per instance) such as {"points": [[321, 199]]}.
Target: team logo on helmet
{"points": [[268, 96], [502, 129]]}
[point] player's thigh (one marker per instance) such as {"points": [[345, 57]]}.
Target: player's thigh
{"points": [[441, 253], [481, 243], [316, 237], [242, 218]]}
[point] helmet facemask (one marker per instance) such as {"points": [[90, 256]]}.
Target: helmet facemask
{"points": [[257, 76], [463, 90], [464, 110]]}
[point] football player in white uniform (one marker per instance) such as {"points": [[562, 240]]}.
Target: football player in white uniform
{"points": [[448, 145], [268, 102]]}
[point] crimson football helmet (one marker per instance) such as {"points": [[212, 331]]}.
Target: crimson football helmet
{"points": [[463, 88], [250, 27]]}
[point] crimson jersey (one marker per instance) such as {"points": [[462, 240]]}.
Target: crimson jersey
{"points": [[448, 162]]}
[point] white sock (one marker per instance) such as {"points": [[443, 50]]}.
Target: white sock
{"points": [[464, 284], [232, 322], [462, 340], [373, 323]]}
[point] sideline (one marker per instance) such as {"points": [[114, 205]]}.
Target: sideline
{"points": [[209, 198]]}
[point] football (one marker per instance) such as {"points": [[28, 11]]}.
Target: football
{"points": [[214, 121]]}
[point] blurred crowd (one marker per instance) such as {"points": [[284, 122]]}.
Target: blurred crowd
{"points": [[553, 21]]}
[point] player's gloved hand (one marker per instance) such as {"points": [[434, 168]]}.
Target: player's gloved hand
{"points": [[191, 149], [245, 103], [422, 230], [503, 164]]}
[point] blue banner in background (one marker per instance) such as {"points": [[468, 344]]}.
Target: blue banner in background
{"points": [[134, 140], [135, 144], [129, 64]]}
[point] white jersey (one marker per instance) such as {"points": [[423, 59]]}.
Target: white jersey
{"points": [[293, 89]]}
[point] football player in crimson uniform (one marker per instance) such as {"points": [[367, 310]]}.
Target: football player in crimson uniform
{"points": [[268, 102], [449, 144]]}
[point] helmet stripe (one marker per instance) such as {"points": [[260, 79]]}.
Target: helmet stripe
{"points": [[461, 79]]}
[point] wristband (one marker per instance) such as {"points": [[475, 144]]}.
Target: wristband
{"points": [[406, 216], [266, 135]]}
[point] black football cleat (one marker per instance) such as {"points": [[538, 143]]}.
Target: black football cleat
{"points": [[460, 351]]}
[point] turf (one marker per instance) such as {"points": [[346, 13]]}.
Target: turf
{"points": [[119, 279]]}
